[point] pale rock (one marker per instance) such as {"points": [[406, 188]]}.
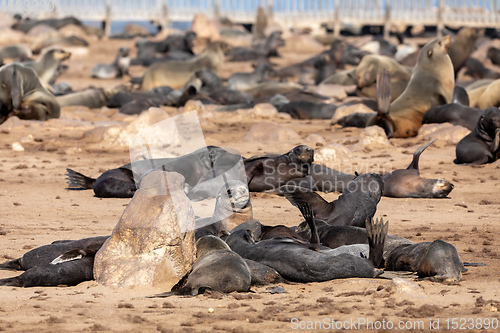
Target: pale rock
{"points": [[153, 243], [373, 137], [16, 146], [345, 110], [315, 138], [333, 153], [270, 132], [445, 132], [402, 286]]}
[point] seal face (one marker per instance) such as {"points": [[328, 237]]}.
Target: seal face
{"points": [[482, 144]]}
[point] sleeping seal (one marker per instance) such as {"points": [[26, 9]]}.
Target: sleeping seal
{"points": [[407, 183], [482, 144], [22, 95], [116, 69], [60, 263], [216, 268]]}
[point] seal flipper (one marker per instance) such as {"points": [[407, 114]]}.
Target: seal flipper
{"points": [[307, 212], [78, 180], [384, 103], [299, 195], [14, 265], [376, 231], [16, 90], [71, 255], [416, 155], [12, 282], [186, 291]]}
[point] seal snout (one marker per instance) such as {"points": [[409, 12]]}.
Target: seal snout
{"points": [[442, 188]]}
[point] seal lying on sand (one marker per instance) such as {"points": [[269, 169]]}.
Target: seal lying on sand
{"points": [[117, 69], [217, 268], [47, 65], [22, 95], [195, 167], [356, 204], [303, 109], [407, 183], [298, 262], [60, 263], [17, 52], [242, 81], [482, 144], [176, 73]]}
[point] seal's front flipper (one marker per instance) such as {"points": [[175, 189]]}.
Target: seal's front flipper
{"points": [[13, 282], [383, 92], [307, 212], [14, 265], [376, 231]]}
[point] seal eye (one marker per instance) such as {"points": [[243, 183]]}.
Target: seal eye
{"points": [[429, 53]]}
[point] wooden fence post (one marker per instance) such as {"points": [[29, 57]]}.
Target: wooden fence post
{"points": [[107, 20], [337, 23], [440, 22], [387, 21], [163, 20]]}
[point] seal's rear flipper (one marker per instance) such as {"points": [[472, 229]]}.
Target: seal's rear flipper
{"points": [[307, 212], [377, 232], [77, 180], [416, 155], [13, 282], [186, 291], [14, 265], [383, 92], [71, 255]]}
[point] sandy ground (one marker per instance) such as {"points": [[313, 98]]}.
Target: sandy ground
{"points": [[36, 209]]}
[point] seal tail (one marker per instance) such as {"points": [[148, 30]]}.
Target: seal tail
{"points": [[416, 155], [77, 180], [383, 92], [307, 212], [12, 282], [377, 232], [14, 265]]}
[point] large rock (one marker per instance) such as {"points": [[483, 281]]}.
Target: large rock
{"points": [[153, 243], [331, 154], [445, 132], [267, 131]]}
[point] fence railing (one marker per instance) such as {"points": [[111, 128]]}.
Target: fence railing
{"points": [[480, 13]]}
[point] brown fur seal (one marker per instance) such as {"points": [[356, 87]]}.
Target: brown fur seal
{"points": [[217, 268], [463, 45], [22, 95], [233, 207], [431, 84], [438, 260], [92, 97], [491, 95], [176, 73], [117, 69], [17, 52], [407, 183], [356, 204], [48, 64], [366, 75], [482, 144], [60, 263]]}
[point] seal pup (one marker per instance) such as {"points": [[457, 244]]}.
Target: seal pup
{"points": [[60, 263], [482, 144], [216, 268], [303, 109], [116, 69], [176, 73], [407, 183], [298, 262], [431, 84], [232, 207], [47, 65], [493, 54], [269, 48], [91, 97], [454, 113], [22, 95], [242, 81], [356, 204]]}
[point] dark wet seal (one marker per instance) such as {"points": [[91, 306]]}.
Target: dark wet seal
{"points": [[217, 268], [407, 183], [481, 146], [60, 263], [357, 203]]}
